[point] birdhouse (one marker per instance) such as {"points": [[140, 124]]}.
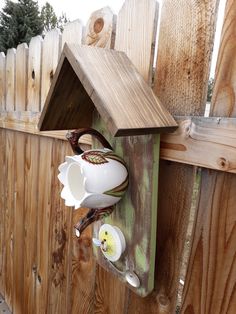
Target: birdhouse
{"points": [[101, 89]]}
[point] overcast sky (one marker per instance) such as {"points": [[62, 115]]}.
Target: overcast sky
{"points": [[82, 9]]}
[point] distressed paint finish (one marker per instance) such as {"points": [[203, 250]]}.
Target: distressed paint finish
{"points": [[136, 213]]}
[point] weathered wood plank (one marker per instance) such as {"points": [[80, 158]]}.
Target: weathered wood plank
{"points": [[136, 34], [90, 71], [210, 283], [50, 57], [2, 210], [21, 77], [10, 79], [100, 29], [31, 176], [34, 74], [83, 270], [27, 124], [19, 226], [223, 98], [212, 261], [9, 215], [110, 291], [195, 136], [185, 46], [72, 33], [59, 291], [2, 82], [46, 168]]}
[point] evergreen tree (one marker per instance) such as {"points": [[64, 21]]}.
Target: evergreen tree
{"points": [[210, 89], [50, 20], [62, 20], [48, 17], [18, 23], [8, 26]]}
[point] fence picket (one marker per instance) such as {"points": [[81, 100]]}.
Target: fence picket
{"points": [[72, 33], [2, 209], [59, 293], [10, 79], [30, 220], [100, 28], [2, 81], [210, 283], [50, 57], [9, 215], [21, 77], [19, 226], [184, 53], [34, 74], [136, 34], [44, 224]]}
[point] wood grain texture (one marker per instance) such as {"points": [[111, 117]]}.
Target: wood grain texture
{"points": [[72, 33], [117, 104], [223, 98], [83, 270], [46, 168], [50, 56], [19, 226], [31, 177], [2, 210], [59, 290], [2, 82], [212, 260], [111, 296], [34, 74], [100, 29], [195, 136], [10, 79], [136, 34], [21, 77], [184, 53], [28, 124], [183, 61], [9, 215]]}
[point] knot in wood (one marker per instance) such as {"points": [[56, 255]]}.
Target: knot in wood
{"points": [[51, 75], [223, 163], [163, 302], [185, 128], [98, 25]]}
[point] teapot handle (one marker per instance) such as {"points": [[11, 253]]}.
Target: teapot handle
{"points": [[74, 136]]}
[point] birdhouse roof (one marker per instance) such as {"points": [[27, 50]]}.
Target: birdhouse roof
{"points": [[91, 78]]}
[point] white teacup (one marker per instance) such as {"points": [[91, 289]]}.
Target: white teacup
{"points": [[96, 178]]}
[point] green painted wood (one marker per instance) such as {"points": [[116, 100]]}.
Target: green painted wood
{"points": [[136, 213]]}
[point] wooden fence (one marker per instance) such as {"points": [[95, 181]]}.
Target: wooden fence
{"points": [[44, 268]]}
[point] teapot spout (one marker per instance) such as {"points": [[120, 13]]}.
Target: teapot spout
{"points": [[93, 215]]}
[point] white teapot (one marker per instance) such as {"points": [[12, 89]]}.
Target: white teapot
{"points": [[96, 178]]}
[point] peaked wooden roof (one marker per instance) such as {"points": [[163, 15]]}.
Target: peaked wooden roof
{"points": [[89, 78]]}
